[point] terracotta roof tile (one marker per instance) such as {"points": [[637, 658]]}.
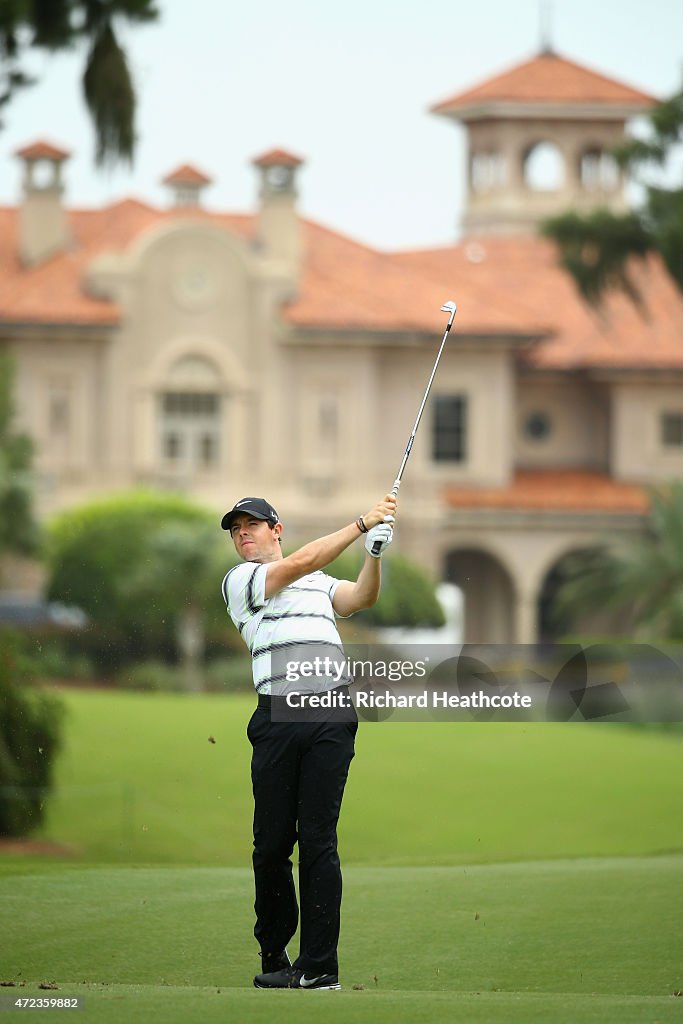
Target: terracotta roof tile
{"points": [[547, 78], [277, 157], [503, 286], [558, 490], [52, 292], [523, 277], [42, 150], [186, 174], [347, 286], [344, 285]]}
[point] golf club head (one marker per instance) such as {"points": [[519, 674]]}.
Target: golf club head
{"points": [[449, 307]]}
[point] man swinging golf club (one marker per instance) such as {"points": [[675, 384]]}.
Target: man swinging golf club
{"points": [[298, 767]]}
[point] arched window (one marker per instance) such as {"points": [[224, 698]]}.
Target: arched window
{"points": [[190, 416], [43, 174], [598, 170], [543, 167]]}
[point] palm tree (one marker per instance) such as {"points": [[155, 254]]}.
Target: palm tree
{"points": [[642, 578]]}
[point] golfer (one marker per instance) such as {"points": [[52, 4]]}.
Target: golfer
{"points": [[298, 767]]}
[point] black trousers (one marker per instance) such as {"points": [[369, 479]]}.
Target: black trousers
{"points": [[298, 772]]}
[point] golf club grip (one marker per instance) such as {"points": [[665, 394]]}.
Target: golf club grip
{"points": [[394, 490]]}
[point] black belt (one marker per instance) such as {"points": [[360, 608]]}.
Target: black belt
{"points": [[267, 700]]}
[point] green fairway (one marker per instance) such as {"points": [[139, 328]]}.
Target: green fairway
{"points": [[140, 782], [512, 873], [561, 941]]}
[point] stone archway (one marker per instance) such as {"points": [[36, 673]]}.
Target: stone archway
{"points": [[488, 595], [553, 624]]}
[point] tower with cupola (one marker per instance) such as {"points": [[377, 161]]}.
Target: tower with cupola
{"points": [[540, 138]]}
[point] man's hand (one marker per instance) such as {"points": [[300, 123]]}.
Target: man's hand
{"points": [[351, 597], [384, 511], [384, 533]]}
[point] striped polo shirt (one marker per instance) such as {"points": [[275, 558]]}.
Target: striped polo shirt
{"points": [[292, 627]]}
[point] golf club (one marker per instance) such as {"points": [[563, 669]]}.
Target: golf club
{"points": [[448, 307]]}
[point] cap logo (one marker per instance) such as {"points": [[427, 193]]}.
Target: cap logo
{"points": [[258, 508]]}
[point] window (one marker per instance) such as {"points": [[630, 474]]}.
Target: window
{"points": [[672, 429], [190, 403], [538, 426], [327, 418], [543, 167], [171, 446], [449, 436], [44, 174], [59, 413], [190, 414], [186, 195], [58, 428], [279, 177], [488, 171], [190, 428], [208, 450], [598, 170]]}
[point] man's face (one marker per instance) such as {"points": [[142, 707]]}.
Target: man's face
{"points": [[254, 539]]}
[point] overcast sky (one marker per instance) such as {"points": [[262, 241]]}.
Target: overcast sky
{"points": [[345, 85]]}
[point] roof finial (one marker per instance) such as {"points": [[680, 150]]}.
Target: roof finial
{"points": [[545, 17]]}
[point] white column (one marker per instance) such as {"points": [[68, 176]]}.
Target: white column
{"points": [[526, 618]]}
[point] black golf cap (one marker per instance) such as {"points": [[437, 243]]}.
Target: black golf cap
{"points": [[259, 508]]}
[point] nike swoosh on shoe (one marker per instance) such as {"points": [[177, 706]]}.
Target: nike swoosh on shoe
{"points": [[312, 983]]}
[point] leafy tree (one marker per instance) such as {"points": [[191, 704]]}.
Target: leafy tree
{"points": [[408, 595], [18, 527], [643, 578], [56, 25], [596, 248], [180, 580], [107, 557], [30, 730], [146, 567], [29, 719]]}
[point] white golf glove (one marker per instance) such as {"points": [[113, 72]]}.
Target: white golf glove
{"points": [[384, 533]]}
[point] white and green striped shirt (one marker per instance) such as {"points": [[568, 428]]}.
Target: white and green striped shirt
{"points": [[296, 623]]}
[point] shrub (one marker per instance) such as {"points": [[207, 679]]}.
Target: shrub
{"points": [[232, 675], [222, 675], [132, 562], [151, 676], [50, 658], [408, 595], [30, 734]]}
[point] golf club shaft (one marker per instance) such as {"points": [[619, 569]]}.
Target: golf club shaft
{"points": [[397, 482]]}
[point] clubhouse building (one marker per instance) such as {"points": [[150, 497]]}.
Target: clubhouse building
{"points": [[224, 354]]}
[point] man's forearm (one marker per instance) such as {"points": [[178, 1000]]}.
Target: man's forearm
{"points": [[367, 586], [319, 553]]}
